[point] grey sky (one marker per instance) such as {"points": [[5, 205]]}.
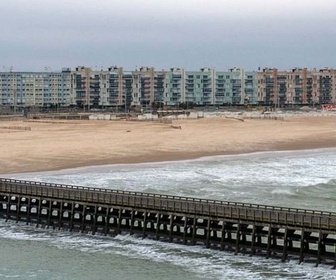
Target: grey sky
{"points": [[165, 33]]}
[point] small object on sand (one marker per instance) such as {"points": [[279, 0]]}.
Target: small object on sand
{"points": [[128, 131], [176, 126]]}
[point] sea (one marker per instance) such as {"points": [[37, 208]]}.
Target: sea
{"points": [[300, 179]]}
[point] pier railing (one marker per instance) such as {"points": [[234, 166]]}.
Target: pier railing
{"points": [[262, 214]]}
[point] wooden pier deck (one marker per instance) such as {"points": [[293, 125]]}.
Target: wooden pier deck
{"points": [[238, 227]]}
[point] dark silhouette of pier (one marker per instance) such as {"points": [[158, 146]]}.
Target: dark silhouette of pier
{"points": [[252, 229]]}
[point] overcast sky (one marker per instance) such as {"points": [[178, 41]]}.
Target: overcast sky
{"points": [[35, 34]]}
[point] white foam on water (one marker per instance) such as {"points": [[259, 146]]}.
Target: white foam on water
{"points": [[283, 191]]}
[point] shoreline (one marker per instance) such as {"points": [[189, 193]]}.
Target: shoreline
{"points": [[201, 158], [61, 146]]}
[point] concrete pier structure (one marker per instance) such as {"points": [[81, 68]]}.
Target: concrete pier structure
{"points": [[238, 227]]}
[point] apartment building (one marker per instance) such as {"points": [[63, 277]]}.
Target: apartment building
{"points": [[148, 87], [210, 87], [35, 88], [143, 87], [175, 87], [11, 89], [85, 85], [199, 87], [101, 88], [115, 87], [297, 86], [112, 87], [326, 81], [236, 87]]}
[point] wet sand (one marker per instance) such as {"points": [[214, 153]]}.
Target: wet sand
{"points": [[56, 145]]}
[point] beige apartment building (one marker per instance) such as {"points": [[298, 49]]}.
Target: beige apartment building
{"points": [[298, 86], [116, 87]]}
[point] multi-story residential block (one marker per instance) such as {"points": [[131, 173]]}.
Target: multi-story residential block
{"points": [[266, 86], [235, 87], [116, 88], [102, 88], [11, 89], [85, 84], [149, 87], [59, 89], [113, 87], [42, 89], [175, 87], [240, 87], [128, 89], [199, 87], [298, 86], [326, 79], [209, 87]]}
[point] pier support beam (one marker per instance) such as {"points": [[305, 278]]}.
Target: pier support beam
{"points": [[71, 225], [83, 219], [18, 209], [38, 212], [284, 252], [223, 236], [157, 236], [269, 240], [132, 222], [302, 245], [253, 239], [207, 241], [193, 231], [319, 248], [28, 211], [8, 207], [334, 267], [119, 221], [185, 228], [95, 217], [60, 215], [144, 225], [49, 214], [171, 228], [107, 221], [238, 233]]}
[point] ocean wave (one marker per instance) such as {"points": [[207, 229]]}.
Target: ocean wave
{"points": [[284, 191], [201, 262], [324, 189]]}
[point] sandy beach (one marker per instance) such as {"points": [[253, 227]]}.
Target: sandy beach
{"points": [[55, 145]]}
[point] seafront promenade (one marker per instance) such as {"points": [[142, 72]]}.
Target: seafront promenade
{"points": [[269, 231]]}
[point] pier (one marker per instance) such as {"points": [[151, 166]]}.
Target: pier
{"points": [[251, 229]]}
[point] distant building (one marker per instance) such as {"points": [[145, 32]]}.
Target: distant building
{"points": [[149, 86], [41, 89], [209, 87], [175, 81], [144, 87], [298, 86]]}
